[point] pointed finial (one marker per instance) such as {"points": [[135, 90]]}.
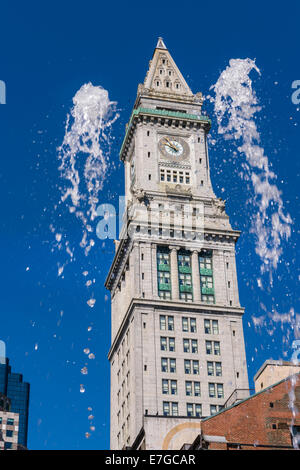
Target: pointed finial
{"points": [[160, 44]]}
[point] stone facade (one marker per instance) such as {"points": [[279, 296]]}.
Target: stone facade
{"points": [[177, 337], [273, 371]]}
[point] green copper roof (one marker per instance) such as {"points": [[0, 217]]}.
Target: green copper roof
{"points": [[164, 113]]}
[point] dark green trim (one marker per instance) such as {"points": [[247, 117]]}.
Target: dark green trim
{"points": [[164, 113]]}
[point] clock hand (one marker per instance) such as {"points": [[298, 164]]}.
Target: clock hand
{"points": [[169, 143]]}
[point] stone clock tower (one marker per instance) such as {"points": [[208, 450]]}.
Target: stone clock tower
{"points": [[177, 348]]}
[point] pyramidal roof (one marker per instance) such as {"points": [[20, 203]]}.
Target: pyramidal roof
{"points": [[163, 75]]}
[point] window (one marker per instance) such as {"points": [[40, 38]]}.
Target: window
{"points": [[164, 294], [163, 273], [189, 409], [165, 386], [170, 408], [207, 328], [217, 351], [188, 388], [174, 176], [168, 365], [164, 364], [173, 387], [210, 368], [172, 365], [192, 388], [185, 324], [189, 325], [211, 327], [10, 421], [206, 277], [170, 323], [184, 260], [195, 367], [187, 366], [211, 390], [208, 345], [215, 390], [163, 344], [167, 344], [186, 345], [190, 345], [166, 322], [197, 391], [185, 277], [191, 367], [215, 327], [164, 280], [9, 433], [162, 322], [213, 347], [218, 368], [220, 391], [193, 328], [194, 410], [172, 344], [169, 387], [188, 297]]}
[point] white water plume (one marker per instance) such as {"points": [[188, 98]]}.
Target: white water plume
{"points": [[85, 149], [235, 105]]}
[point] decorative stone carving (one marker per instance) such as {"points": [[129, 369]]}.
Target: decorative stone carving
{"points": [[219, 206], [139, 194], [178, 189]]}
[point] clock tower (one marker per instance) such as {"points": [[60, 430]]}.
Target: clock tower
{"points": [[177, 348]]}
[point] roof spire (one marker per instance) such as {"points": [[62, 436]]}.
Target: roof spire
{"points": [[163, 75], [160, 44]]}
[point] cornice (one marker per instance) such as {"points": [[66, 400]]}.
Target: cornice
{"points": [[159, 116], [179, 306]]}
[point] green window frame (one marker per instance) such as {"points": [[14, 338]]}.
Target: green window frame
{"points": [[206, 277], [164, 273]]}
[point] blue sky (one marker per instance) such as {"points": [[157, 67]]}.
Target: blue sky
{"points": [[48, 51]]}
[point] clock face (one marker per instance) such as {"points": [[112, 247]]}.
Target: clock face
{"points": [[174, 147]]}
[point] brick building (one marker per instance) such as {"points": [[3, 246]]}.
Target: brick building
{"points": [[266, 420]]}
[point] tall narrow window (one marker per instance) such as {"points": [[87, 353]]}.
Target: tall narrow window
{"points": [[185, 324], [188, 388], [163, 273], [206, 277], [185, 276]]}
